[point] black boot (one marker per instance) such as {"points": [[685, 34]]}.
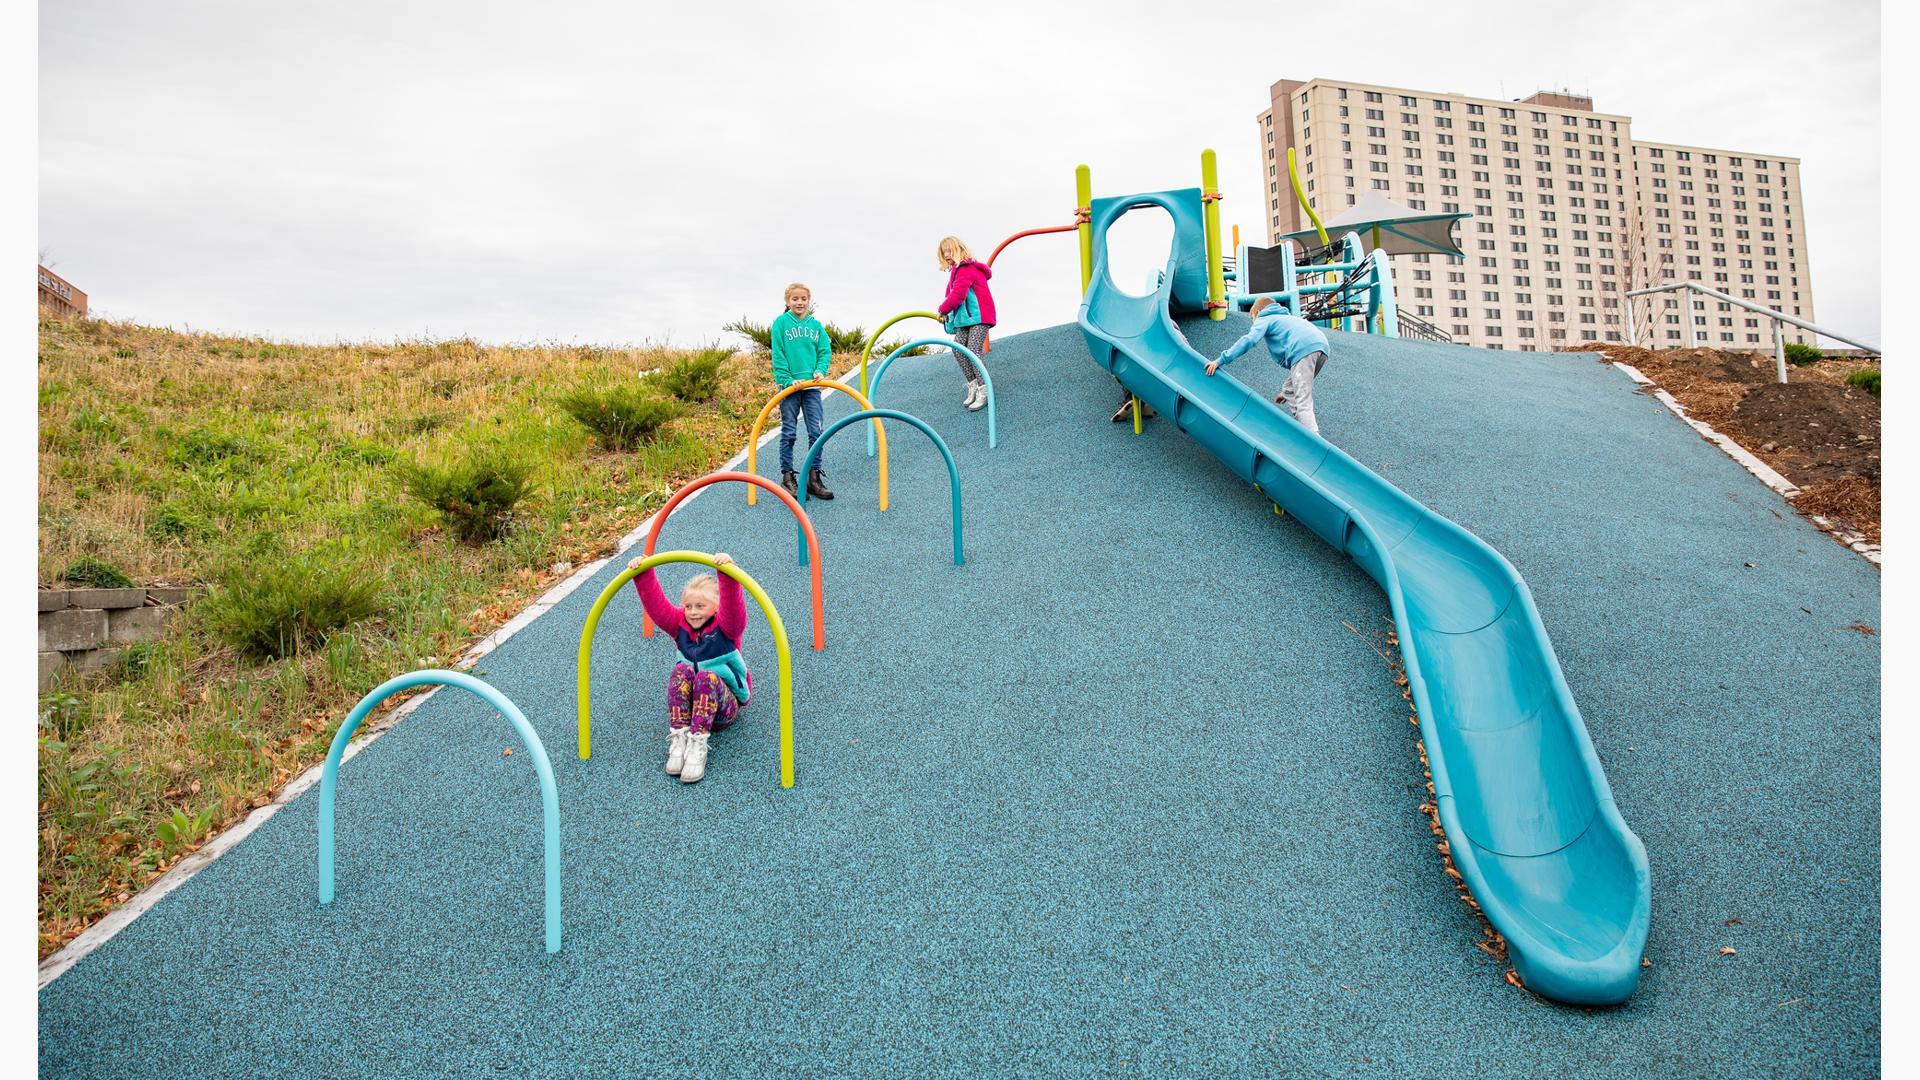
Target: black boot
{"points": [[791, 481], [817, 485]]}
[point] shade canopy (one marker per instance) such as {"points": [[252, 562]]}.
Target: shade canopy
{"points": [[1401, 230]]}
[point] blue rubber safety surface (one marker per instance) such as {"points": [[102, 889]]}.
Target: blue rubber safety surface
{"points": [[1124, 792]]}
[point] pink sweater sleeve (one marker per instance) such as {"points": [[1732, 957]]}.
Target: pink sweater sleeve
{"points": [[957, 285], [662, 611], [732, 615]]}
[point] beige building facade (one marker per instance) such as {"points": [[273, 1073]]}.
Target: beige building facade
{"points": [[1570, 213]]}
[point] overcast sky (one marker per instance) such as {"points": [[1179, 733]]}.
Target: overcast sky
{"points": [[627, 172]]}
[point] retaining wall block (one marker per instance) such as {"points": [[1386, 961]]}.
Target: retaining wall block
{"points": [[72, 629], [108, 598], [50, 665], [137, 624]]}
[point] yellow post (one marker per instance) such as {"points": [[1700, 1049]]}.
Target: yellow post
{"points": [[1083, 193], [1210, 210]]}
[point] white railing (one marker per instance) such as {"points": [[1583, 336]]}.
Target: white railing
{"points": [[1686, 306]]}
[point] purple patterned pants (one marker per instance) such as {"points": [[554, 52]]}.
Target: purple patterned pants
{"points": [[698, 699]]}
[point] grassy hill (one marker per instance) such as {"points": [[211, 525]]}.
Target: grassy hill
{"points": [[277, 475]]}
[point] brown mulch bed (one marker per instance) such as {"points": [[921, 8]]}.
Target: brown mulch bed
{"points": [[1815, 430]]}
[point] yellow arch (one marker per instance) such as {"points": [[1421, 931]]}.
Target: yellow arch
{"points": [[868, 351], [584, 691], [753, 437]]}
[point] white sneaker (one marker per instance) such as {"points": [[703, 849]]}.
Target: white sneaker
{"points": [[695, 766], [677, 749], [977, 399], [967, 400]]}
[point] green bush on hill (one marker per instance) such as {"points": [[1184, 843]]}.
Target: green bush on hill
{"points": [[475, 496], [274, 607], [696, 377], [621, 416], [95, 573], [1867, 379]]}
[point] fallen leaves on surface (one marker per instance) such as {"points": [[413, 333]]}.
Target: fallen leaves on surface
{"points": [[1728, 950]]}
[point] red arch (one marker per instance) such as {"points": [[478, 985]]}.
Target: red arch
{"points": [[806, 526]]}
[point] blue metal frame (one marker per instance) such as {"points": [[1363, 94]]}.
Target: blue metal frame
{"points": [[873, 387], [549, 795], [953, 473]]}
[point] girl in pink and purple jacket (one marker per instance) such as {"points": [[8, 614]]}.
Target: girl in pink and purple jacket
{"points": [[709, 687], [967, 311]]}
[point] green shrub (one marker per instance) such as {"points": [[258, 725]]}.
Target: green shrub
{"points": [[621, 416], [760, 334], [272, 608], [361, 452], [1801, 354], [885, 348], [695, 377], [845, 341], [1867, 379], [172, 521], [95, 573], [476, 496], [203, 446]]}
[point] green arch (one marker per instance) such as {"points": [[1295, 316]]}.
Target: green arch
{"points": [[584, 690]]}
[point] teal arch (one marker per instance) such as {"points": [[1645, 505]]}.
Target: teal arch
{"points": [[953, 474], [873, 389], [549, 795]]}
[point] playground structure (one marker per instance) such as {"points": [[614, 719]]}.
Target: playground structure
{"points": [[584, 684], [807, 535], [1524, 803], [1519, 791], [953, 473], [759, 424], [549, 794], [993, 429]]}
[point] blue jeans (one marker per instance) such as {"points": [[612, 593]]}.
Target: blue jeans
{"points": [[792, 407]]}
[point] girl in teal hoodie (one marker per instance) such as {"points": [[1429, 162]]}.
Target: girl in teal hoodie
{"points": [[801, 351]]}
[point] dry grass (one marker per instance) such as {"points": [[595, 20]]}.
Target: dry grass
{"points": [[174, 456]]}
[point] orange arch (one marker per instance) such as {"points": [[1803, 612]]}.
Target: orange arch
{"points": [[806, 526], [753, 437]]}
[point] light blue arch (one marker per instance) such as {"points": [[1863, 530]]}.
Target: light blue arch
{"points": [[953, 474], [873, 387], [549, 795]]}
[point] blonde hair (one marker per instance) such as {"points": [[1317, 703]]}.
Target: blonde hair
{"points": [[952, 252], [704, 584], [784, 296], [1262, 304]]}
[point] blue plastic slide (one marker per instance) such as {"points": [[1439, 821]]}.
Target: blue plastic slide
{"points": [[1527, 811]]}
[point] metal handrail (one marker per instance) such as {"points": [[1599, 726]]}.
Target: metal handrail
{"points": [[1779, 347], [1414, 326]]}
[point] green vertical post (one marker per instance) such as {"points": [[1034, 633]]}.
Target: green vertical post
{"points": [[1210, 202], [1083, 196]]}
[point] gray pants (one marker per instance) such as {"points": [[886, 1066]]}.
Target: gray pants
{"points": [[972, 337], [1296, 395]]}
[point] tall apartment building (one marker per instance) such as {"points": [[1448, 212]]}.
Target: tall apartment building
{"points": [[1570, 213]]}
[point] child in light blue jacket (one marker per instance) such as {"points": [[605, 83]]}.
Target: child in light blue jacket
{"points": [[1296, 345]]}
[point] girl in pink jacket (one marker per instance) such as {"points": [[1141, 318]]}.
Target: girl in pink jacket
{"points": [[711, 684], [967, 311]]}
